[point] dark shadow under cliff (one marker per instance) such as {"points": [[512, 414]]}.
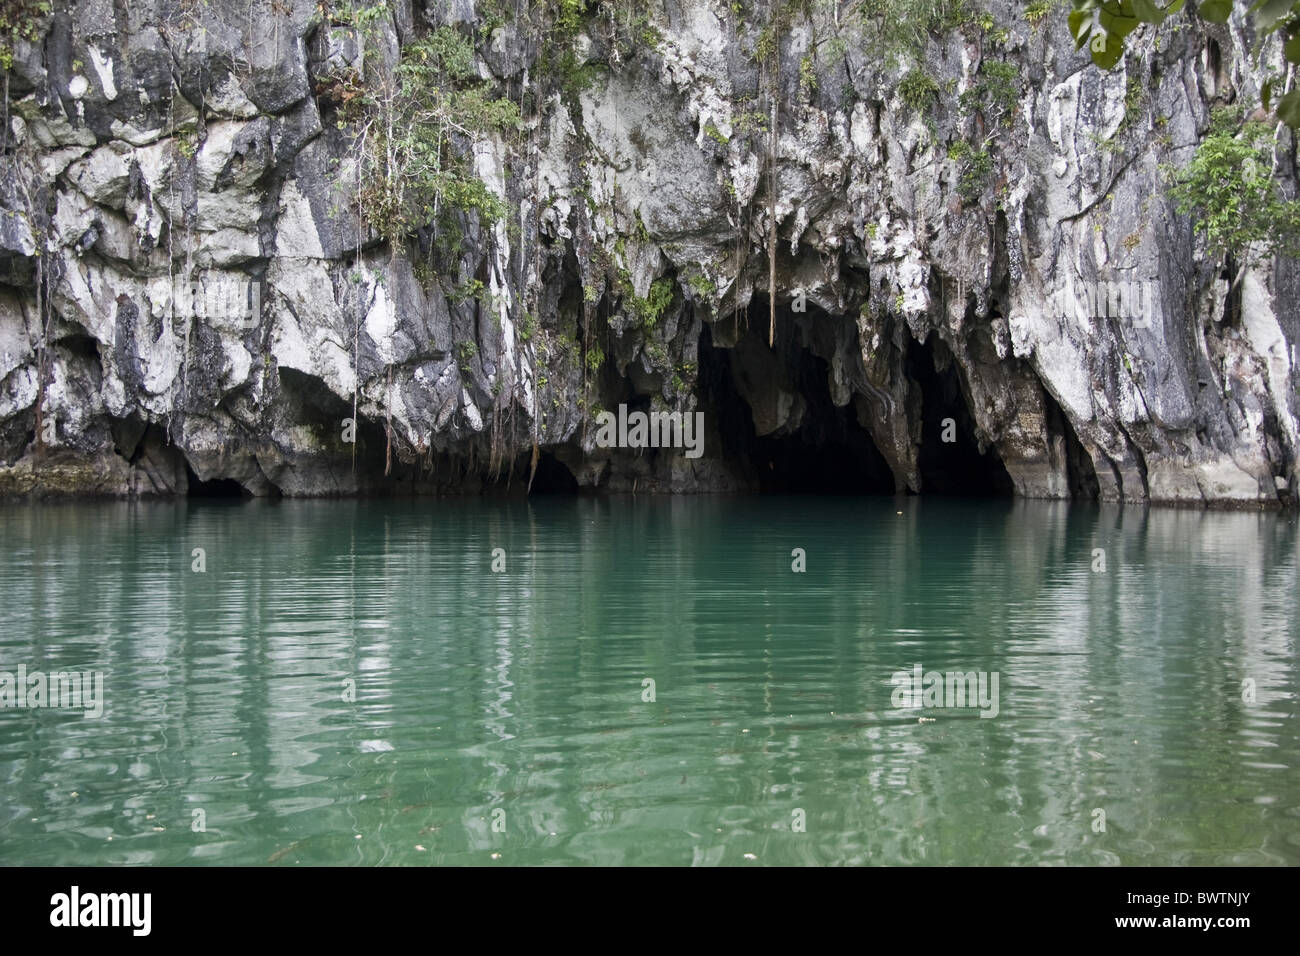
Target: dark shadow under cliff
{"points": [[826, 452]]}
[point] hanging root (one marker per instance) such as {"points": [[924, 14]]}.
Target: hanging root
{"points": [[532, 469]]}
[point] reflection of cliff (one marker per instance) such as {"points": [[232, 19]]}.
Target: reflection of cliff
{"points": [[925, 244], [522, 690]]}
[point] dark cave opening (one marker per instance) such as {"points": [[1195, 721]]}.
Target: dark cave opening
{"points": [[949, 457], [829, 452], [216, 488], [553, 477]]}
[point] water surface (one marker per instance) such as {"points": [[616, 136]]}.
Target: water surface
{"points": [[499, 718]]}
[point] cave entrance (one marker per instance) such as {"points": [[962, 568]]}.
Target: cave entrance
{"points": [[553, 477], [949, 458], [827, 452], [216, 488]]}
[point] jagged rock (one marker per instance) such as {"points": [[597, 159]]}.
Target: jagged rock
{"points": [[204, 146]]}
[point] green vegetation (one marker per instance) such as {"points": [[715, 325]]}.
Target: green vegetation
{"points": [[767, 44], [975, 175], [347, 13], [749, 123], [903, 26], [975, 169], [702, 286], [465, 352], [527, 326], [649, 310], [1231, 194], [1038, 10], [625, 25], [19, 20], [918, 90], [413, 132], [995, 92], [807, 76], [1134, 96], [1103, 25], [465, 291]]}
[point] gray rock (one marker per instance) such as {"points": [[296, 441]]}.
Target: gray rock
{"points": [[205, 145]]}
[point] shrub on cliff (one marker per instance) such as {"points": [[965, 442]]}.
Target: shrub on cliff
{"points": [[1230, 191], [415, 128]]}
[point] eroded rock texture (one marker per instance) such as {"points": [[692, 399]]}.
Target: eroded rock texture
{"points": [[920, 284]]}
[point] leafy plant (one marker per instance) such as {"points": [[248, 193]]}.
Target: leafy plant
{"points": [[347, 13], [807, 76], [465, 352], [702, 286], [415, 130], [649, 310], [1229, 190], [918, 90], [465, 291], [1103, 26], [527, 326], [995, 92], [19, 20], [1039, 9], [902, 27], [976, 166]]}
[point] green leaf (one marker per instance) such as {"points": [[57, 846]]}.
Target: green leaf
{"points": [[1216, 11], [1292, 49], [1080, 25], [1117, 26], [1106, 50], [1266, 95], [1147, 11], [1288, 109], [1269, 13]]}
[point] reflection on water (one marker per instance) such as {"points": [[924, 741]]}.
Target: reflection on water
{"points": [[349, 682]]}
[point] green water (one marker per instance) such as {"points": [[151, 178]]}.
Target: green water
{"points": [[499, 717]]}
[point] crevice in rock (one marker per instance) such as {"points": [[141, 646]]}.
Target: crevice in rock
{"points": [[1117, 476], [1231, 316], [1139, 459], [950, 459], [1080, 473]]}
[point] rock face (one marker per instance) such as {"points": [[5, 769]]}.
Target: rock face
{"points": [[979, 280]]}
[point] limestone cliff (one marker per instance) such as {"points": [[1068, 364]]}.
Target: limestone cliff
{"points": [[972, 235]]}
